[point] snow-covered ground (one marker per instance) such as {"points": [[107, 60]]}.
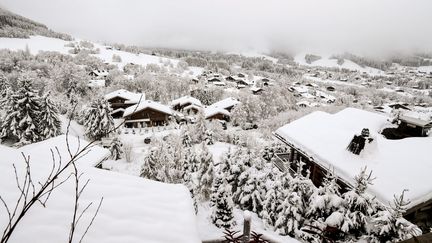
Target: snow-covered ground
{"points": [[42, 43], [325, 61], [133, 209], [330, 81], [255, 54]]}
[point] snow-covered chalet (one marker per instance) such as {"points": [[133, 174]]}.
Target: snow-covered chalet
{"points": [[351, 139]]}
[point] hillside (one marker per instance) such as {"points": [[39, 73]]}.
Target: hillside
{"points": [[16, 26]]}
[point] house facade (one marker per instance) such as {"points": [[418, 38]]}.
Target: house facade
{"points": [[147, 114], [121, 99]]}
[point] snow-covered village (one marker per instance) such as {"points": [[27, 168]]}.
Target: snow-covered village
{"points": [[215, 121]]}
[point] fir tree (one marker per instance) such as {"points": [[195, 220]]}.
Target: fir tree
{"points": [[271, 206], [359, 205], [50, 124], [222, 215], [98, 120], [200, 128], [209, 137], [116, 148], [251, 192], [390, 226], [205, 173], [149, 169], [186, 139], [22, 114]]}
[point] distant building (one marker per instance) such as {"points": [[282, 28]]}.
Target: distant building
{"points": [[147, 114], [122, 99]]}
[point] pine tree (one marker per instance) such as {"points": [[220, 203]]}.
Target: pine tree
{"points": [[390, 226], [50, 124], [326, 199], [22, 114], [116, 148], [222, 215], [150, 168], [205, 173], [98, 119], [185, 136], [209, 140], [359, 205], [251, 192], [200, 128], [271, 206]]}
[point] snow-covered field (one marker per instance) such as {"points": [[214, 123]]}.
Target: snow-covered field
{"points": [[42, 43], [325, 61]]}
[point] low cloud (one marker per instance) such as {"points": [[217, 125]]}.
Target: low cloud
{"points": [[372, 26]]}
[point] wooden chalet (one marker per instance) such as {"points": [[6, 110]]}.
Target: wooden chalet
{"points": [[414, 126], [320, 142], [147, 114], [121, 99], [185, 101]]}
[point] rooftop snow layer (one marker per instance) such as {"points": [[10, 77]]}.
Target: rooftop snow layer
{"points": [[147, 104], [211, 111], [397, 164], [225, 103], [134, 209], [122, 93], [185, 100]]}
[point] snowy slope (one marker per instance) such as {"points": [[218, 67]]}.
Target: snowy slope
{"points": [[255, 54], [134, 210], [325, 61], [41, 43]]}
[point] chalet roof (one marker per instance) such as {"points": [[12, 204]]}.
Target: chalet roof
{"points": [[96, 83], [127, 95], [147, 104], [185, 100], [397, 164], [225, 103], [211, 111]]}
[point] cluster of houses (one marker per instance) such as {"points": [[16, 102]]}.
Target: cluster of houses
{"points": [[239, 80], [311, 95], [323, 142], [138, 112]]}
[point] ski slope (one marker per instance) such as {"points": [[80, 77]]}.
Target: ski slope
{"points": [[325, 61]]}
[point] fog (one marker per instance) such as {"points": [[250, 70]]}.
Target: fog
{"points": [[368, 26]]}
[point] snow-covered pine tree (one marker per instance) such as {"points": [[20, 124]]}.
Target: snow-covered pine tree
{"points": [[271, 206], [296, 190], [359, 205], [150, 167], [116, 148], [209, 140], [50, 124], [390, 226], [200, 128], [186, 138], [250, 193], [222, 215], [217, 182], [98, 120], [22, 114], [325, 200], [205, 172]]}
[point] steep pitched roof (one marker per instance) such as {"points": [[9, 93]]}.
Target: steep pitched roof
{"points": [[127, 95], [147, 104]]}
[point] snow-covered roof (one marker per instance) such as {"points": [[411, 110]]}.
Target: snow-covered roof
{"points": [[125, 94], [397, 164], [96, 83], [185, 100], [147, 104], [193, 106], [211, 111], [225, 103], [133, 209]]}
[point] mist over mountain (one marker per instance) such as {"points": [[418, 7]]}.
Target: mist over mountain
{"points": [[367, 27]]}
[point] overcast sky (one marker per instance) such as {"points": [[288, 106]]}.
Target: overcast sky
{"points": [[241, 25]]}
